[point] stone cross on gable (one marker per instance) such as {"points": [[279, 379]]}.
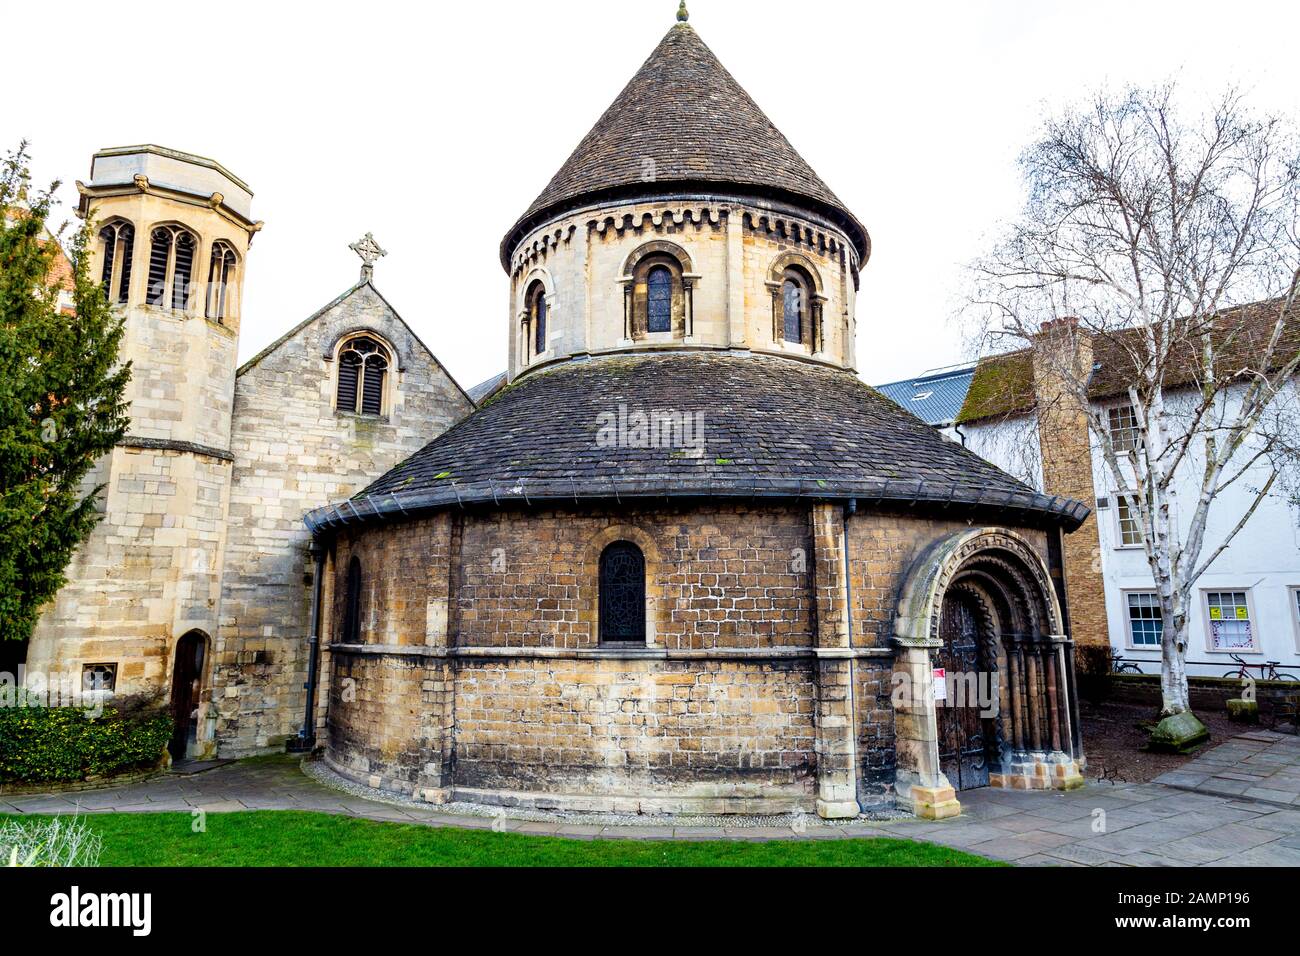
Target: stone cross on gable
{"points": [[369, 251]]}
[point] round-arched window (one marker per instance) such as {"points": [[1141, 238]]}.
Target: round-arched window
{"points": [[363, 376], [659, 300], [622, 594]]}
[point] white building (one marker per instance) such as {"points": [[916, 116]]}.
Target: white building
{"points": [[1247, 603]]}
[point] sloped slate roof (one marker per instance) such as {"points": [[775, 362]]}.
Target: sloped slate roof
{"points": [[771, 427], [935, 399], [684, 121], [485, 390], [1004, 384]]}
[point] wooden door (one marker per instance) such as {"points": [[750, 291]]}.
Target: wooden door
{"points": [[962, 752]]}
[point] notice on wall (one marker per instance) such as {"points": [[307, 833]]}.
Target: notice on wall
{"points": [[940, 683]]}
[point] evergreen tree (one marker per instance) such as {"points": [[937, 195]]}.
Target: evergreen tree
{"points": [[62, 398]]}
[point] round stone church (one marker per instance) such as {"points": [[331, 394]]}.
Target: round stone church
{"points": [[683, 560]]}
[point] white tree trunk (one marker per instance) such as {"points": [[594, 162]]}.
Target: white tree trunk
{"points": [[1174, 698]]}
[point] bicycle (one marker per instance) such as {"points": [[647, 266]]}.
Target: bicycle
{"points": [[1118, 665], [1267, 670]]}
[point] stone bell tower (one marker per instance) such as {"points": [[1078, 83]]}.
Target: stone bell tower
{"points": [[172, 232]]}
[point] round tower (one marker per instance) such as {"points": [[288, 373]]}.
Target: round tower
{"points": [[684, 220], [172, 233]]}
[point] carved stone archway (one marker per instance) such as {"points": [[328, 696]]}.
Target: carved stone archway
{"points": [[1038, 745]]}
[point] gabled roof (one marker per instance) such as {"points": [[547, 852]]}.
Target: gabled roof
{"points": [[759, 427], [1004, 384], [684, 122], [332, 304], [481, 392], [935, 397]]}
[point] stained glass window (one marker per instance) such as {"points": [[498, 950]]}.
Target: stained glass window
{"points": [[792, 294], [659, 308], [539, 322], [622, 594]]}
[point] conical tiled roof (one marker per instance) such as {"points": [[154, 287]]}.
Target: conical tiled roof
{"points": [[684, 121]]}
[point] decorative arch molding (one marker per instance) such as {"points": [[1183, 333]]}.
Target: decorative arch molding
{"points": [[538, 274], [1008, 580], [921, 599], [655, 574], [336, 344], [776, 273], [658, 247]]}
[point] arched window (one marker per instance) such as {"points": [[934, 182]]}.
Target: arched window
{"points": [[659, 300], [352, 604], [794, 299], [221, 271], [537, 316], [171, 267], [119, 243], [622, 594], [363, 376]]}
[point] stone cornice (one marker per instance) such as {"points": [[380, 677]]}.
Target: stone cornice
{"points": [[167, 444]]}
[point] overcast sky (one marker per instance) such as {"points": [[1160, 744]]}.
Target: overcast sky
{"points": [[435, 125]]}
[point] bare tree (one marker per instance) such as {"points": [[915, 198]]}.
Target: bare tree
{"points": [[1157, 258]]}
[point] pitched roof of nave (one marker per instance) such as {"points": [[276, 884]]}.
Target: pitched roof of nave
{"points": [[683, 122], [759, 427]]}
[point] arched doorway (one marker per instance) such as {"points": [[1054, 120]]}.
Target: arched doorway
{"points": [[981, 605], [187, 688], [963, 738]]}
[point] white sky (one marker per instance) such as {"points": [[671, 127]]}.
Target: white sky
{"points": [[436, 125]]}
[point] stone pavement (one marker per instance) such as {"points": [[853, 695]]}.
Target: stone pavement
{"points": [[1190, 817]]}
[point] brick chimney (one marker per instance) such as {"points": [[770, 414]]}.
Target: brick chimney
{"points": [[1063, 358]]}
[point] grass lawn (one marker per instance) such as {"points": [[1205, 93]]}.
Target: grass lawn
{"points": [[292, 838]]}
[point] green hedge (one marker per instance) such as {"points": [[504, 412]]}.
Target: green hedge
{"points": [[64, 745]]}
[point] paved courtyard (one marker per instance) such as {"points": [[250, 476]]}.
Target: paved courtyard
{"points": [[1236, 805]]}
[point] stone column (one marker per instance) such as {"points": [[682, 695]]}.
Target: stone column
{"points": [[438, 682], [836, 744], [922, 786]]}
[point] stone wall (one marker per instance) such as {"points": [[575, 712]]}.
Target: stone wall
{"points": [[292, 451], [732, 247], [480, 674]]}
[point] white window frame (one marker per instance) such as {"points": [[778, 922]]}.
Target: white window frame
{"points": [[1256, 646], [1120, 544], [1293, 596], [1111, 411], [1129, 643]]}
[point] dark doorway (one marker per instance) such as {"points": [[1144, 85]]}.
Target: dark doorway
{"points": [[962, 747], [187, 684]]}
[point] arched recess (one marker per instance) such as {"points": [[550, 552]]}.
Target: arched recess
{"points": [[589, 580], [1026, 670], [640, 268], [537, 291], [793, 269]]}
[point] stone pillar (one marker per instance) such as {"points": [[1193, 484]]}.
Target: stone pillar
{"points": [[921, 785], [735, 278], [438, 685], [836, 744]]}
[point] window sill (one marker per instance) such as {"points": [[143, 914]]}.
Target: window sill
{"points": [[1234, 650], [361, 416]]}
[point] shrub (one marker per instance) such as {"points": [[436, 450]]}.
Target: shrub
{"points": [[1094, 666], [66, 744], [58, 842]]}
